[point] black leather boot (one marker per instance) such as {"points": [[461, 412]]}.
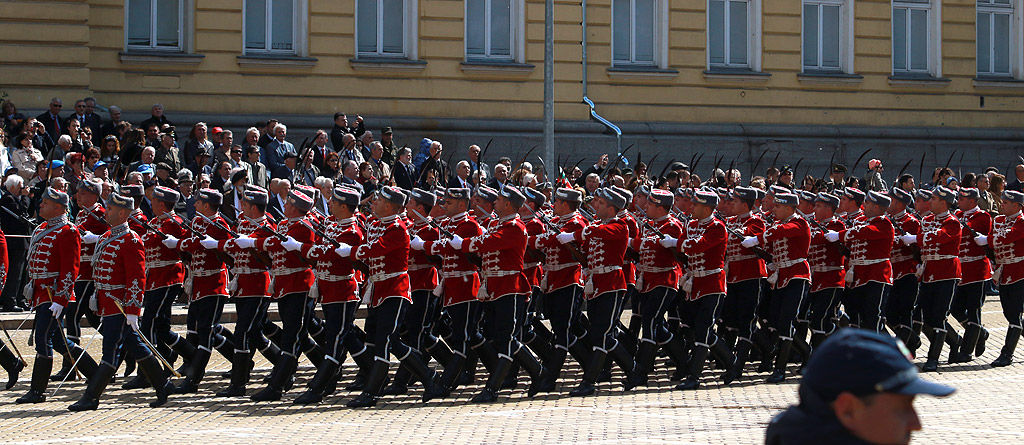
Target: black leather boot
{"points": [[964, 354], [646, 353], [816, 339], [677, 351], [1006, 355], [763, 342], [374, 385], [452, 371], [241, 367], [154, 372], [553, 369], [934, 350], [278, 378], [400, 382], [979, 348], [66, 370], [97, 383], [540, 347], [591, 372], [440, 352], [195, 373], [86, 365], [915, 337], [779, 374], [415, 363], [40, 377], [723, 354], [535, 370], [494, 381], [488, 355], [468, 376], [580, 352], [271, 352], [742, 353], [318, 386], [11, 363], [696, 366], [226, 348], [365, 361]]}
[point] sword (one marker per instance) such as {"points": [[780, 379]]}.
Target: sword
{"points": [[13, 344], [146, 341], [77, 360]]}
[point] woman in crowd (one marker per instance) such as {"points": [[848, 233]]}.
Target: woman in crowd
{"points": [[25, 157]]}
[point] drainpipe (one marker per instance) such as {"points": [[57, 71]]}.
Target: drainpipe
{"points": [[593, 112]]}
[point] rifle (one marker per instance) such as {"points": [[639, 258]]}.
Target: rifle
{"points": [[753, 170], [759, 251], [913, 247], [471, 257], [989, 252], [680, 257], [356, 264], [572, 247], [843, 249]]}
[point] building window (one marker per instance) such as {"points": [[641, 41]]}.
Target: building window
{"points": [[734, 33], [155, 24], [915, 37], [271, 26], [494, 30], [634, 32], [381, 28], [825, 35], [995, 30]]}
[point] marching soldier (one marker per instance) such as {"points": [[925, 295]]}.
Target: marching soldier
{"points": [[53, 259], [137, 193], [827, 269], [745, 275], [976, 270], [658, 285], [504, 291], [386, 252], [851, 204], [940, 249], [903, 258], [1008, 241], [120, 277], [604, 244], [704, 247], [535, 334], [787, 241], [483, 205], [871, 276], [337, 290]]}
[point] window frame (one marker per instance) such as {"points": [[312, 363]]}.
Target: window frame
{"points": [[410, 35], [846, 37], [659, 41], [185, 7], [933, 37], [300, 26], [1015, 39], [517, 34], [753, 38]]}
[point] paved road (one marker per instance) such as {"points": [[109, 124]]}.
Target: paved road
{"points": [[986, 409]]}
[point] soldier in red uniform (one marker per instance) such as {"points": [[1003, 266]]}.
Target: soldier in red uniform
{"points": [[386, 252], [137, 193], [483, 205], [976, 270], [658, 285], [940, 249], [788, 241], [209, 279], [704, 247], [165, 274], [459, 286], [604, 244], [1007, 240], [899, 312], [745, 276], [623, 334], [827, 269], [10, 362], [337, 290], [504, 291], [851, 209], [535, 334], [871, 277], [53, 258], [120, 278], [562, 282]]}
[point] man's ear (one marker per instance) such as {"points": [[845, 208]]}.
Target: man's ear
{"points": [[846, 406]]}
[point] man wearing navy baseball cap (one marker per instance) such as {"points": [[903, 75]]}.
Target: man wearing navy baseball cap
{"points": [[859, 387]]}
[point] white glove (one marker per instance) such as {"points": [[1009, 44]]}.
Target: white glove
{"points": [[669, 242], [416, 243], [565, 238], [981, 240], [343, 250], [291, 244], [208, 243], [749, 241], [133, 321], [171, 242], [90, 238], [456, 242], [245, 242], [56, 309], [908, 239], [832, 236]]}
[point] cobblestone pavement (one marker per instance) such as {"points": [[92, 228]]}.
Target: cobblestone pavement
{"points": [[985, 409]]}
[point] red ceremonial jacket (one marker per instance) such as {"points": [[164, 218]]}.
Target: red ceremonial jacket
{"points": [[902, 256], [604, 244], [92, 223], [422, 273], [4, 261], [251, 276], [163, 265], [502, 249], [855, 218], [827, 271], [207, 272], [788, 242], [704, 248], [532, 260], [291, 273], [386, 253], [136, 220], [335, 277], [53, 258], [974, 264], [560, 268], [658, 266], [628, 268], [461, 283], [1008, 242], [940, 248], [742, 263], [120, 272], [869, 250]]}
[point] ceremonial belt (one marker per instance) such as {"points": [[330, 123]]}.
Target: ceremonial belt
{"points": [[248, 271], [499, 273], [971, 259], [42, 275], [1012, 259], [648, 269], [108, 287], [865, 262], [740, 257], [328, 277], [826, 268], [163, 263], [531, 265], [281, 271], [603, 269], [206, 272], [381, 276], [788, 263], [420, 267], [901, 258], [937, 257], [705, 273], [554, 267]]}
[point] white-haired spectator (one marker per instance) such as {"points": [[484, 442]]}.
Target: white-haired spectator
{"points": [[500, 175], [326, 187], [273, 156], [134, 178], [462, 175], [529, 180]]}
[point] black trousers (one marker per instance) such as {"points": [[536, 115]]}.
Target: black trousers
{"points": [[967, 302], [338, 321], [465, 329], [249, 326], [824, 304], [155, 321], [785, 304], [702, 314], [205, 312], [602, 311], [1011, 298], [504, 318], [116, 333], [899, 311], [740, 309], [382, 324], [562, 307], [295, 313], [47, 333], [935, 300], [74, 312], [418, 326], [870, 301], [653, 306]]}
